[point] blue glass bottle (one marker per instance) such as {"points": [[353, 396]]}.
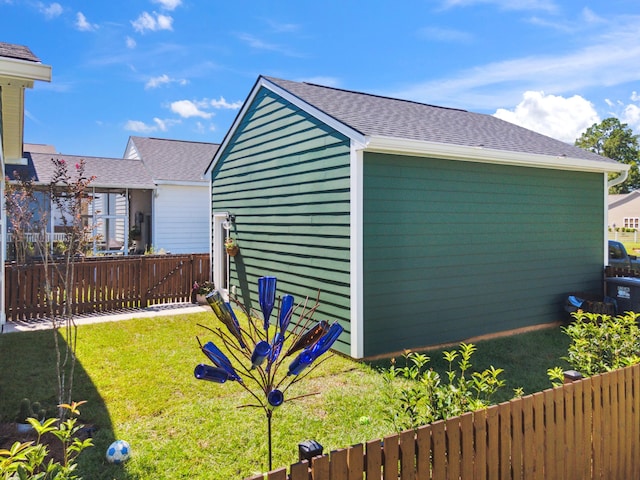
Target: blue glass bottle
{"points": [[211, 374], [309, 338], [301, 362], [260, 353], [219, 359], [275, 398], [266, 297]]}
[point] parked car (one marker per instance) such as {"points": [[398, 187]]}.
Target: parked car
{"points": [[618, 257]]}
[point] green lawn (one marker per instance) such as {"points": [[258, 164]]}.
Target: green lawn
{"points": [[137, 376]]}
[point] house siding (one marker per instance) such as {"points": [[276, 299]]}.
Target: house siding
{"points": [[454, 250], [628, 207], [183, 225], [285, 176]]}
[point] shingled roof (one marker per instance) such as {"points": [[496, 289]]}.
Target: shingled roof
{"points": [[19, 52], [109, 172], [373, 115], [174, 160]]}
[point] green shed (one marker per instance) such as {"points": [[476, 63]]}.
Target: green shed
{"points": [[419, 225]]}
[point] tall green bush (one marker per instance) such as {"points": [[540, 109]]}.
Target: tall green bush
{"points": [[417, 396], [600, 343]]}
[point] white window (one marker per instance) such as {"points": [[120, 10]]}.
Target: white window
{"points": [[631, 222]]}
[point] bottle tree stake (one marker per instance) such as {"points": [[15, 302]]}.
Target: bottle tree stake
{"points": [[255, 359]]}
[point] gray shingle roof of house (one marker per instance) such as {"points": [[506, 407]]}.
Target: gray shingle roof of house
{"points": [[19, 52], [373, 115], [109, 172], [616, 200], [175, 160]]}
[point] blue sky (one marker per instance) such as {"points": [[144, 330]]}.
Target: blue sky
{"points": [[181, 69]]}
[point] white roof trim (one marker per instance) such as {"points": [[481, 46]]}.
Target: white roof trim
{"points": [[313, 111], [488, 155], [23, 69], [423, 148], [318, 114], [183, 183]]}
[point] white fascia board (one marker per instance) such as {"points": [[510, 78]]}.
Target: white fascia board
{"points": [[183, 183], [25, 70], [328, 120], [488, 155], [314, 112]]}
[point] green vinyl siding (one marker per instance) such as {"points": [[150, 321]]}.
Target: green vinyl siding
{"points": [[454, 250], [285, 177]]}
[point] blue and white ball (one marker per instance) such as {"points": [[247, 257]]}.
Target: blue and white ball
{"points": [[118, 452]]}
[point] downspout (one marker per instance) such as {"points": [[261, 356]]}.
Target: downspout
{"points": [[619, 179]]}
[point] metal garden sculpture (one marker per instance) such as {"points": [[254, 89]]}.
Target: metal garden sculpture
{"points": [[255, 359]]}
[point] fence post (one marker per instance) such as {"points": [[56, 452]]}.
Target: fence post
{"points": [[143, 282]]}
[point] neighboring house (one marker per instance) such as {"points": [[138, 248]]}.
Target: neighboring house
{"points": [[19, 69], [178, 220], [116, 183], [419, 225], [624, 210], [155, 198]]}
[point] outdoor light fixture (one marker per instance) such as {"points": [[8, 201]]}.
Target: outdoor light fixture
{"points": [[230, 220], [309, 449]]}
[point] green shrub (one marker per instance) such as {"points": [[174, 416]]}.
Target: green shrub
{"points": [[600, 343], [28, 461], [417, 396]]}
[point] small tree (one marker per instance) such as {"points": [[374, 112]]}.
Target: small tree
{"points": [[68, 193]]}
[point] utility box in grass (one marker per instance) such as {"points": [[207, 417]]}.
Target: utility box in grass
{"points": [[626, 292]]}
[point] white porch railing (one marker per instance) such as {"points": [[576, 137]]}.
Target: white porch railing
{"points": [[34, 237]]}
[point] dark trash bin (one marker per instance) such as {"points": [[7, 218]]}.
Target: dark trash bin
{"points": [[625, 291], [590, 303]]}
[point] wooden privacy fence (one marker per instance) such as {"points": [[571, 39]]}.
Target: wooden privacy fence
{"points": [[104, 284], [588, 429]]}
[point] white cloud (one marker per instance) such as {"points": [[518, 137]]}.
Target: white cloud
{"points": [[139, 127], [152, 21], [222, 103], [83, 25], [168, 4], [131, 43], [165, 22], [161, 124], [53, 10], [157, 81], [631, 116], [609, 57], [555, 116], [163, 79], [187, 109], [158, 125]]}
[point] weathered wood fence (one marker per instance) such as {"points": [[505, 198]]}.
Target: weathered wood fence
{"points": [[105, 284], [588, 429]]}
